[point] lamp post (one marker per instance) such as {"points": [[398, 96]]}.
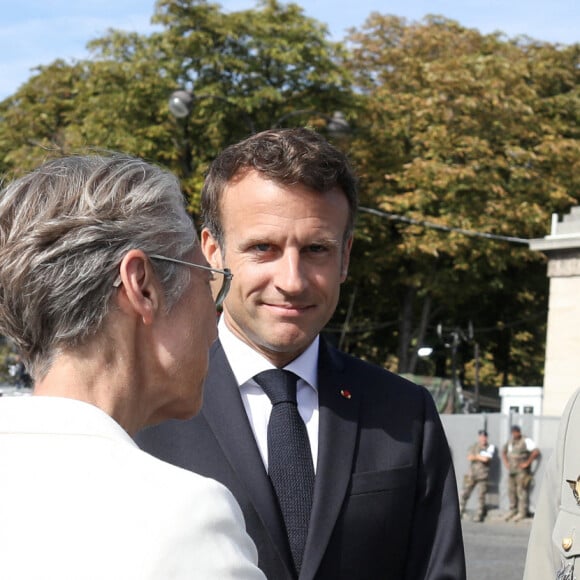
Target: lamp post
{"points": [[452, 341], [181, 103]]}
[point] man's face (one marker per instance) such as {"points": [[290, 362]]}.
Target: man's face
{"points": [[482, 439], [285, 248], [516, 434]]}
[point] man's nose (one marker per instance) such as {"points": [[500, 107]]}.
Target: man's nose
{"points": [[290, 276]]}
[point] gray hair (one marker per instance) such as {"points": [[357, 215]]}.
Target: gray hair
{"points": [[64, 230]]}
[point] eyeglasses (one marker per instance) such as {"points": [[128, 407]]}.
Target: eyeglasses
{"points": [[226, 273]]}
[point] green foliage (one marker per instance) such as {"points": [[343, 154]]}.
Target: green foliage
{"points": [[466, 131], [246, 70], [451, 126], [6, 355], [34, 120]]}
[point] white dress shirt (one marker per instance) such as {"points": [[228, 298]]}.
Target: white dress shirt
{"points": [[247, 363]]}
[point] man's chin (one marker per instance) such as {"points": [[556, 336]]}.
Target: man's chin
{"points": [[291, 345]]}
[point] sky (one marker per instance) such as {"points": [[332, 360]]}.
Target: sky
{"points": [[36, 32]]}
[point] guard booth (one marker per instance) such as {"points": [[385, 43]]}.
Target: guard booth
{"points": [[521, 400]]}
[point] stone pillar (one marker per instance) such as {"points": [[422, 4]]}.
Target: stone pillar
{"points": [[562, 363]]}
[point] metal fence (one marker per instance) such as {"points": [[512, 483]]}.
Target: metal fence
{"points": [[461, 431]]}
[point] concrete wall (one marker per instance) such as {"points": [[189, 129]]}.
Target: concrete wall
{"points": [[562, 365], [461, 431]]}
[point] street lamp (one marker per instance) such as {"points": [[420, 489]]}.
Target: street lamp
{"points": [[455, 337], [181, 104], [338, 124]]}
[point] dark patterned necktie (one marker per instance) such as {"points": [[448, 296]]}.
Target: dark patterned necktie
{"points": [[290, 465]]}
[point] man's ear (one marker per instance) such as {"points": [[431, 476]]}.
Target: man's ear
{"points": [[211, 249], [345, 258], [140, 293]]}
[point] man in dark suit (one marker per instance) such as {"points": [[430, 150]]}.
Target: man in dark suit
{"points": [[279, 210]]}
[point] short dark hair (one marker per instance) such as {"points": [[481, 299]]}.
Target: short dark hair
{"points": [[516, 428], [482, 432], [287, 157]]}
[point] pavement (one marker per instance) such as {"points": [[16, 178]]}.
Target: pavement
{"points": [[495, 549]]}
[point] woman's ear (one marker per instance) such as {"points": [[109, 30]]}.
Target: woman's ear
{"points": [[139, 292], [211, 249]]}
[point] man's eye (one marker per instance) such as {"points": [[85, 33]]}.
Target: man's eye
{"points": [[316, 248], [262, 247]]}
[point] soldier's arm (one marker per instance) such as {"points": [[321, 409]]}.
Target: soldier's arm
{"points": [[533, 454], [486, 455], [504, 458]]}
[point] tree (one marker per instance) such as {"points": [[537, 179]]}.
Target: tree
{"points": [[452, 127], [467, 131], [246, 70], [254, 67], [34, 120]]}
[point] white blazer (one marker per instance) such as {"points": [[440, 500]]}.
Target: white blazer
{"points": [[80, 501]]}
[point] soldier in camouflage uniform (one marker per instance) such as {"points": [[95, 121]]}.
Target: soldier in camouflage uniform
{"points": [[479, 456], [518, 454]]}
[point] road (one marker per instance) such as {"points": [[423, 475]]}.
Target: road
{"points": [[495, 549]]}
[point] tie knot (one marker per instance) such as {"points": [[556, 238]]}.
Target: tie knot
{"points": [[279, 385]]}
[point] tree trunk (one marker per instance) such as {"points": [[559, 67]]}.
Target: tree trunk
{"points": [[421, 331], [405, 329]]}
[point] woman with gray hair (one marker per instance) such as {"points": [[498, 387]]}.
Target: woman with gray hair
{"points": [[106, 294]]}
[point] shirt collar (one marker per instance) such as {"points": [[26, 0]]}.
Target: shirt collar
{"points": [[246, 362], [47, 414]]}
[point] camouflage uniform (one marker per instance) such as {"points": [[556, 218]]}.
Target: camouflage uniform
{"points": [[520, 479], [478, 476]]}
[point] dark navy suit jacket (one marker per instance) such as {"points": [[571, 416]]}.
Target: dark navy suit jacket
{"points": [[385, 500]]}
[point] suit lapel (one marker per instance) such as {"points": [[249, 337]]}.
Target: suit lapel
{"points": [[339, 402], [226, 416]]}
